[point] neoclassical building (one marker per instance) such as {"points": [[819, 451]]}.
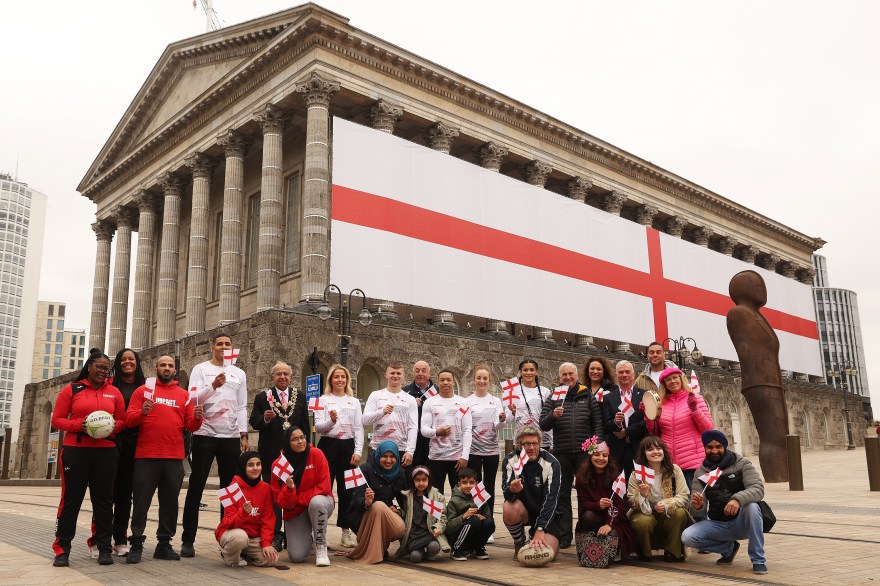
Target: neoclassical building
{"points": [[222, 165]]}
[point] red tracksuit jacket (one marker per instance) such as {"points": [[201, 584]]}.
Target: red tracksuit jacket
{"points": [[161, 434], [71, 408], [260, 523], [315, 480]]}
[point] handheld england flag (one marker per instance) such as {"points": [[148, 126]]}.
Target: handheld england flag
{"points": [[230, 494], [626, 407], [479, 494], [354, 478], [711, 478], [559, 393], [695, 384], [644, 474], [230, 356], [600, 395], [520, 462], [315, 404], [282, 469], [431, 392], [462, 411], [511, 390], [619, 486], [150, 384], [434, 508]]}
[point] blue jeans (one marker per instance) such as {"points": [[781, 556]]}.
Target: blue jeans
{"points": [[718, 536]]}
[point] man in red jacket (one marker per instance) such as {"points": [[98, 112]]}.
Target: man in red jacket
{"points": [[162, 413]]}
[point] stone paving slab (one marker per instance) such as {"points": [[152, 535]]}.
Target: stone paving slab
{"points": [[826, 534]]}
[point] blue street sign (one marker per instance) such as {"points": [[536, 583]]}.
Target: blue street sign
{"points": [[313, 386]]}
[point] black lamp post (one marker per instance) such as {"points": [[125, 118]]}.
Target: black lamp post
{"points": [[365, 318], [841, 370], [682, 351]]}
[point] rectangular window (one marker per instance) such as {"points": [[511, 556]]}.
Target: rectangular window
{"points": [[82, 340], [57, 348], [48, 348], [49, 324], [61, 310], [45, 373], [45, 360], [48, 336], [57, 361], [72, 364], [292, 231], [73, 352], [60, 324], [59, 336], [81, 352], [253, 239], [56, 372], [51, 310]]}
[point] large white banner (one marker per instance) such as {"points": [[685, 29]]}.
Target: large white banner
{"points": [[412, 225]]}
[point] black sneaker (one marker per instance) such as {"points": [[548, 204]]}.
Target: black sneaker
{"points": [[187, 550], [565, 543], [135, 553], [164, 551], [278, 543], [459, 556], [202, 506], [105, 559], [726, 560], [62, 560], [480, 553]]}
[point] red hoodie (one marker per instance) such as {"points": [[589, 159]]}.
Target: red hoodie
{"points": [[260, 522], [72, 408], [161, 434], [315, 480]]}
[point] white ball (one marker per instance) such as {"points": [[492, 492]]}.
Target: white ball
{"points": [[531, 556], [100, 424]]}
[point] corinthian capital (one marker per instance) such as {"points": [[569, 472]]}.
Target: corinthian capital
{"points": [[317, 91], [645, 214], [145, 201], [200, 165], [748, 254], [440, 137], [769, 262], [271, 119], [491, 156], [805, 275], [171, 184], [788, 269], [103, 230], [537, 172], [578, 188], [726, 245], [614, 202], [385, 115], [675, 226], [702, 236], [125, 216], [233, 143]]}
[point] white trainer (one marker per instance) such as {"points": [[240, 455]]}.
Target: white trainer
{"points": [[93, 551], [348, 539], [491, 539], [121, 549], [321, 559]]}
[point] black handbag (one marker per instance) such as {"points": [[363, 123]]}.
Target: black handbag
{"points": [[768, 516]]}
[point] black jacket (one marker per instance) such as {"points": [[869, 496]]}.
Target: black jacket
{"points": [[581, 419], [269, 444], [385, 491], [623, 450], [422, 443]]}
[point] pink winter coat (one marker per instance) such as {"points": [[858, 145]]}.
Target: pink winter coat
{"points": [[681, 430]]}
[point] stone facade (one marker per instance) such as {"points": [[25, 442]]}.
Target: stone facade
{"points": [[274, 335]]}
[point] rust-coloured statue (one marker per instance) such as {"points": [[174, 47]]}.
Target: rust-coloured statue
{"points": [[757, 347]]}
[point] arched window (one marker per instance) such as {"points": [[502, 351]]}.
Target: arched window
{"points": [[368, 380]]}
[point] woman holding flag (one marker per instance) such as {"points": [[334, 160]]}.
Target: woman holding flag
{"points": [[342, 439], [301, 489], [528, 400], [601, 495], [447, 422]]}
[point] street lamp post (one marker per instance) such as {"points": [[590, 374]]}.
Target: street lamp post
{"points": [[841, 370], [682, 351], [365, 318]]}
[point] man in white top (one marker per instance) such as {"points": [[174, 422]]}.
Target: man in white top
{"points": [[649, 379], [393, 415], [222, 392]]}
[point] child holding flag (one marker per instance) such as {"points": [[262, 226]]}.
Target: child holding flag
{"points": [[424, 513], [468, 523], [248, 524]]}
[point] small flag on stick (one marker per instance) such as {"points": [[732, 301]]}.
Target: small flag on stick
{"points": [[710, 479], [434, 508], [282, 469], [695, 384], [521, 461], [230, 356], [479, 494], [559, 393], [511, 390], [230, 494], [315, 404], [644, 474], [354, 478], [619, 486]]}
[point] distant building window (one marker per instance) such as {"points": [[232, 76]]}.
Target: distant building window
{"points": [[61, 311], [48, 336], [51, 310], [82, 340], [45, 360], [49, 324], [45, 373], [57, 361], [81, 352], [80, 365], [59, 337], [48, 348], [56, 372], [72, 363], [60, 324], [73, 352], [57, 348]]}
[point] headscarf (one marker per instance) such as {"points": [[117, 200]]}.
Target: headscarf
{"points": [[242, 468], [714, 435], [297, 460], [383, 447]]}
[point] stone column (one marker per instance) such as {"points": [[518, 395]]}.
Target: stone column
{"points": [[385, 115], [748, 254], [675, 226], [230, 235], [98, 327], [726, 246], [317, 93], [492, 155], [735, 367], [125, 219], [789, 269], [578, 187], [197, 272], [143, 276], [440, 136], [166, 308], [536, 173], [645, 214], [769, 262], [702, 236], [271, 241], [585, 342], [614, 202]]}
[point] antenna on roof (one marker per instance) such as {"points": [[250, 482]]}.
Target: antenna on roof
{"points": [[212, 19]]}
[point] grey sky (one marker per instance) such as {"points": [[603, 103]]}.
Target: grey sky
{"points": [[771, 104]]}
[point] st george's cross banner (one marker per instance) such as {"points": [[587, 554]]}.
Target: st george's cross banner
{"points": [[416, 226]]}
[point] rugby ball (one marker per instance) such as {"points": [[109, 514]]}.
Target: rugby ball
{"points": [[534, 557], [100, 424]]}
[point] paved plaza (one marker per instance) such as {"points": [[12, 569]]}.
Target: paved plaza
{"points": [[828, 534]]}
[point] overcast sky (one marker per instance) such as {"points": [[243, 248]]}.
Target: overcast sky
{"points": [[775, 105]]}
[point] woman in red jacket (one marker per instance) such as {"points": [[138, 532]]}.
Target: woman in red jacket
{"points": [[87, 462], [305, 498], [248, 524]]}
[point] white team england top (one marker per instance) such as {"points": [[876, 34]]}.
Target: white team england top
{"points": [[226, 407], [348, 424], [528, 412], [486, 423], [440, 411], [400, 426]]}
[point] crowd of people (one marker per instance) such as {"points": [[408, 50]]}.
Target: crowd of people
{"points": [[643, 482]]}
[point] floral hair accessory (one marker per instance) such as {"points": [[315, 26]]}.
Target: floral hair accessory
{"points": [[590, 444]]}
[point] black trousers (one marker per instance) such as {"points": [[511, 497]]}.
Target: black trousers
{"points": [[204, 450], [149, 474], [440, 471], [81, 468], [569, 463], [474, 534], [339, 452], [486, 468], [125, 446]]}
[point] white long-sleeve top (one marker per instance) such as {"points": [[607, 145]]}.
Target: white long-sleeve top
{"points": [[349, 423], [528, 412], [400, 426], [485, 412], [225, 407], [440, 411]]}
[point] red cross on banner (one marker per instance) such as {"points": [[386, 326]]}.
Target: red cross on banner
{"points": [[644, 474], [354, 478], [434, 508], [479, 494], [230, 356], [431, 391]]}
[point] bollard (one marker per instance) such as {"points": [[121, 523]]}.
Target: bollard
{"points": [[795, 470], [872, 453]]}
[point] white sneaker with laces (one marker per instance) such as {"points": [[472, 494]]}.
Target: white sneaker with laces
{"points": [[120, 550], [491, 539], [93, 551], [321, 559], [348, 539]]}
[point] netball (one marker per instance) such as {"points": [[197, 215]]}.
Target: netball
{"points": [[99, 424]]}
